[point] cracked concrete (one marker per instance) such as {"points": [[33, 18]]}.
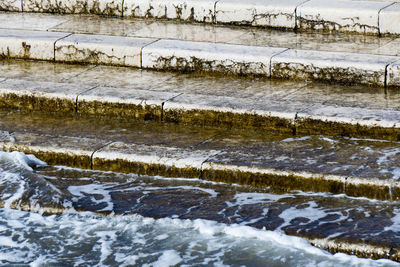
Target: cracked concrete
{"points": [[258, 13], [100, 49], [192, 10], [340, 15], [99, 7], [331, 66], [11, 5], [28, 44], [208, 57]]}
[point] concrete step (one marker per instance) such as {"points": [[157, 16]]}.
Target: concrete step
{"points": [[366, 17], [355, 167], [56, 38], [228, 102]]}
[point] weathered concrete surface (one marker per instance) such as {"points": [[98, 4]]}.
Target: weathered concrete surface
{"points": [[101, 49], [229, 112], [11, 5], [355, 167], [275, 13], [121, 77], [208, 57], [189, 10], [391, 48], [126, 103], [393, 74], [388, 19], [334, 42], [151, 160], [30, 21], [339, 15], [366, 17], [188, 32], [99, 7], [42, 96], [229, 102], [340, 42], [109, 129], [40, 71], [349, 121], [352, 164], [331, 66], [365, 64], [28, 44]]}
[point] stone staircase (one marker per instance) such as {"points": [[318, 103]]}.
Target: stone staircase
{"points": [[210, 90]]}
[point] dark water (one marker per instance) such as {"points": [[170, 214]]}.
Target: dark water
{"points": [[154, 221]]}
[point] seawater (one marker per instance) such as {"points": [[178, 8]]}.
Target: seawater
{"points": [[81, 238]]}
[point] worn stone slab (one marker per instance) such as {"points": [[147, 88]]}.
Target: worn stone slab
{"points": [[350, 121], [188, 32], [281, 161], [230, 102], [188, 10], [340, 15], [28, 44], [389, 22], [57, 150], [391, 48], [331, 66], [11, 5], [39, 70], [91, 24], [231, 112], [258, 13], [148, 28], [335, 41], [108, 129], [256, 88], [100, 49], [99, 7], [355, 167], [208, 57], [122, 77], [126, 103], [30, 21], [37, 95], [375, 98], [393, 74], [151, 160]]}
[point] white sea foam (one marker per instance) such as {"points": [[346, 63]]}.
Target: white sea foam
{"points": [[291, 139], [20, 159], [241, 199], [94, 189], [311, 213], [111, 241], [168, 258]]}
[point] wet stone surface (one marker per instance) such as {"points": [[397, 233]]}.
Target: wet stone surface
{"points": [[310, 215], [279, 160]]}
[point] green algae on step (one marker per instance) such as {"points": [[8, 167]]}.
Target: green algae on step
{"points": [[310, 163], [228, 102]]}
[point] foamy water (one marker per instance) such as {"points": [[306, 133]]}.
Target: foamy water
{"points": [[87, 239], [84, 238]]}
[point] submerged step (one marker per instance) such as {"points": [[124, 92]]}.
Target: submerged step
{"points": [[355, 167], [366, 17], [258, 104], [337, 223]]}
